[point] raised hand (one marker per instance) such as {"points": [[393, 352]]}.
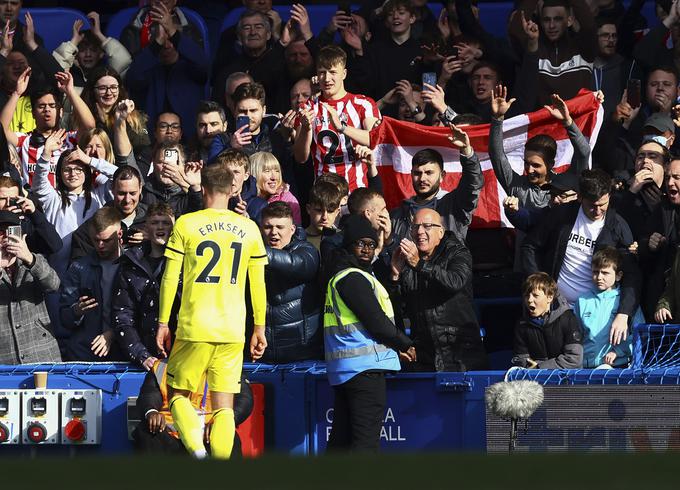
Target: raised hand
{"points": [[460, 140], [450, 66], [499, 102], [353, 40], [339, 21], [443, 24], [298, 13], [435, 96], [64, 82], [29, 32], [511, 203], [53, 142], [78, 155], [77, 36], [531, 30], [96, 25], [192, 173], [559, 110], [160, 14], [241, 137], [406, 91], [7, 40], [123, 109]]}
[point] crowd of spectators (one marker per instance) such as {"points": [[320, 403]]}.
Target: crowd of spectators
{"points": [[103, 142]]}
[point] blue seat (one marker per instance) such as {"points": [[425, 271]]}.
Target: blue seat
{"points": [[54, 25], [122, 18]]}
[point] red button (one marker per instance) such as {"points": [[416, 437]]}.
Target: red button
{"points": [[4, 433], [37, 432], [75, 430]]}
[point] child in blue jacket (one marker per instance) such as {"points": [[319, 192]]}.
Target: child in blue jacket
{"points": [[597, 309]]}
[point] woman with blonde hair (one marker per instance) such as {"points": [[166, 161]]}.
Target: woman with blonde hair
{"points": [[270, 185]]}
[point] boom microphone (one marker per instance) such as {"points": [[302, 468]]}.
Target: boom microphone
{"points": [[514, 400]]}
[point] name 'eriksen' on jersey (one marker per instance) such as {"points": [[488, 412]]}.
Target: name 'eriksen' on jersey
{"points": [[222, 226]]}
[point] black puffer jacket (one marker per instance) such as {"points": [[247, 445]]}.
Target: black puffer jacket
{"points": [[438, 297], [554, 342], [181, 202], [293, 326], [134, 305]]}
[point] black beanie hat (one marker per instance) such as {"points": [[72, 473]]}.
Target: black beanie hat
{"points": [[356, 228]]}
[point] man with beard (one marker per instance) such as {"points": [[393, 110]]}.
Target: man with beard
{"points": [[611, 70], [211, 120], [427, 174]]}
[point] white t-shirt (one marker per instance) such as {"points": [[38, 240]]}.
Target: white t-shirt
{"points": [[576, 276]]}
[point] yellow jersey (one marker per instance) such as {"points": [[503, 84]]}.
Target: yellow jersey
{"points": [[216, 248]]}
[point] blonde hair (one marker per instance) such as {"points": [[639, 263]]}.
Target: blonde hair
{"points": [[85, 138], [261, 161]]}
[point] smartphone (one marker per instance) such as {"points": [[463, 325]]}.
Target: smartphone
{"points": [[451, 51], [243, 121], [13, 201], [171, 156], [14, 230], [345, 7], [86, 292], [430, 78], [633, 93]]}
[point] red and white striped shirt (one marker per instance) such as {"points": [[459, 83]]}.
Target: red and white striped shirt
{"points": [[333, 151], [29, 155]]}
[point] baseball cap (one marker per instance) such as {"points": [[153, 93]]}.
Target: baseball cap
{"points": [[9, 218], [660, 122], [566, 181]]}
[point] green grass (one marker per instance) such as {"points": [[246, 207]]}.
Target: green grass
{"points": [[350, 472]]}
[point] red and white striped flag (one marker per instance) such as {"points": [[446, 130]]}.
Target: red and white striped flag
{"points": [[395, 143]]}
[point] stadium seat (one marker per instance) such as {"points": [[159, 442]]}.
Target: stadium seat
{"points": [[54, 25]]}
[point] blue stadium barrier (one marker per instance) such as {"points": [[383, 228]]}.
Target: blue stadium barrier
{"points": [[54, 25]]}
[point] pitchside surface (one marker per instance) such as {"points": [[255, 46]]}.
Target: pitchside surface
{"points": [[376, 472]]}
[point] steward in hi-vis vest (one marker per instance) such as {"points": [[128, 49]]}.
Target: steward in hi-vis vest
{"points": [[361, 340]]}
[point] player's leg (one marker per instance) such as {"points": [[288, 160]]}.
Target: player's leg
{"points": [[224, 380], [223, 425], [186, 368]]}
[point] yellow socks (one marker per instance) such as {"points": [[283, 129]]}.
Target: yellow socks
{"points": [[222, 433], [189, 425]]}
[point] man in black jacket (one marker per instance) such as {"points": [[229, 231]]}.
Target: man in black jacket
{"points": [[137, 288], [427, 174], [564, 242], [293, 301], [433, 271], [127, 191]]}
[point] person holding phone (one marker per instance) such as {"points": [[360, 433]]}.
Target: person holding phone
{"points": [[378, 66], [25, 278], [167, 182], [86, 292]]}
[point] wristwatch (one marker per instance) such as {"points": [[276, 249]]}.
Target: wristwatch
{"points": [[448, 115], [343, 125]]}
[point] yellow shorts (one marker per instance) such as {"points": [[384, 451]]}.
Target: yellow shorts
{"points": [[191, 363]]}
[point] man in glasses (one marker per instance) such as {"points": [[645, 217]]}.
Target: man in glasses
{"points": [[433, 271], [168, 128]]}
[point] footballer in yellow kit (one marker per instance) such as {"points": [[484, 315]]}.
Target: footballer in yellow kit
{"points": [[215, 250]]}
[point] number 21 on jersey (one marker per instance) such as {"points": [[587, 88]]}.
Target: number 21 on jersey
{"points": [[212, 249]]}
